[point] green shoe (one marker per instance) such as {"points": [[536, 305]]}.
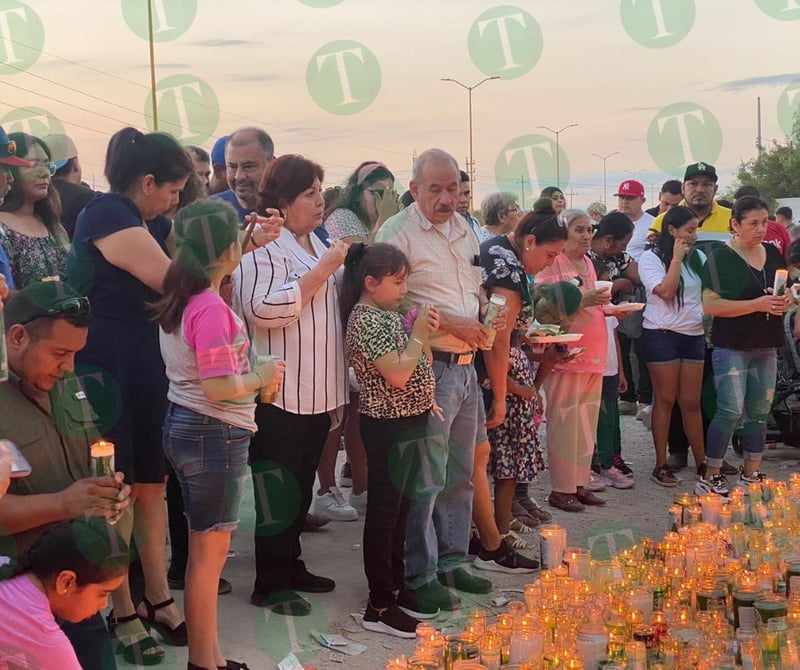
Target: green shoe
{"points": [[462, 580], [433, 595]]}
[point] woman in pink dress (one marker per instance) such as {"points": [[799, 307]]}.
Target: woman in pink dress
{"points": [[572, 390]]}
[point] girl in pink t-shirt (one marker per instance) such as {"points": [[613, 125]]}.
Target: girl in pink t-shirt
{"points": [[210, 419], [68, 573]]}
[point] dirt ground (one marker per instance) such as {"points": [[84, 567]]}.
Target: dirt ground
{"points": [[252, 635]]}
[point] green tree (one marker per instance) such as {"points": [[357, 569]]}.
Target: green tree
{"points": [[776, 172]]}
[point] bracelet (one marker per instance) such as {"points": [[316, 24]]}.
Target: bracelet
{"points": [[418, 341], [674, 260]]}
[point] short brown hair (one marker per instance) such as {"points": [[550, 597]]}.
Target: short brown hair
{"points": [[284, 179]]}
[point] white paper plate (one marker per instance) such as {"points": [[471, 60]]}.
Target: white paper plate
{"points": [[624, 307], [555, 339]]}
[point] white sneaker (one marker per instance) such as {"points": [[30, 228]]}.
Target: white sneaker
{"points": [[644, 413], [519, 527], [714, 484], [595, 484], [358, 501], [615, 478], [333, 505]]}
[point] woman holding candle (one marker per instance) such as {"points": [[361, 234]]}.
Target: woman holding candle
{"points": [[672, 341], [119, 260], [507, 260], [574, 387], [747, 328], [211, 416]]}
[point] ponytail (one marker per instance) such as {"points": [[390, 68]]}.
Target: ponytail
{"points": [[132, 154]]}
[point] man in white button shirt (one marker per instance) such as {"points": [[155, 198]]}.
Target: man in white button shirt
{"points": [[630, 201], [443, 253]]}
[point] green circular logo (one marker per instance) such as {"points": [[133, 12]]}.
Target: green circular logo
{"points": [[528, 163], [608, 538], [171, 18], [657, 24], [783, 10], [21, 37], [505, 42], [188, 108], [321, 4], [683, 133], [277, 497], [343, 77], [32, 120], [279, 635], [788, 106]]}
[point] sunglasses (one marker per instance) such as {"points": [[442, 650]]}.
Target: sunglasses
{"points": [[41, 163], [69, 307]]}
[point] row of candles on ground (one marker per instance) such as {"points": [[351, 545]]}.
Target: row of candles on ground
{"points": [[722, 590]]}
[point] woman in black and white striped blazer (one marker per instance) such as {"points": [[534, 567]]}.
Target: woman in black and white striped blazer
{"points": [[288, 294]]}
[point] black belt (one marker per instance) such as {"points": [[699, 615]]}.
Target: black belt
{"points": [[454, 359]]}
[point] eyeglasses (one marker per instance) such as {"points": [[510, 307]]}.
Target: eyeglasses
{"points": [[69, 308], [42, 163], [514, 210]]}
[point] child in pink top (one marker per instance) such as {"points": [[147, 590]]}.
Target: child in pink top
{"points": [[69, 573]]}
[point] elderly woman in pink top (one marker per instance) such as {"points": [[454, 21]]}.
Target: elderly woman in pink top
{"points": [[573, 389]]}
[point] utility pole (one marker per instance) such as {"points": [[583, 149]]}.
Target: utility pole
{"points": [[522, 191], [571, 194], [604, 159], [471, 161], [557, 133]]}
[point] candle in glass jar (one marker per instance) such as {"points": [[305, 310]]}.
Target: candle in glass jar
{"points": [[102, 458], [491, 651], [397, 663]]}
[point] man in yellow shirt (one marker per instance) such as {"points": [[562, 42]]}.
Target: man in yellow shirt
{"points": [[699, 192]]}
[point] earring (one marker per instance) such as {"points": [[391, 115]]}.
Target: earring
{"points": [[527, 248]]}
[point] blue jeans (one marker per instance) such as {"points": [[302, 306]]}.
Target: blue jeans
{"points": [[437, 528], [745, 383], [210, 461]]}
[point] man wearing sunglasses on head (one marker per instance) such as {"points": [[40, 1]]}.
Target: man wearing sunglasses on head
{"points": [[8, 159], [44, 410]]}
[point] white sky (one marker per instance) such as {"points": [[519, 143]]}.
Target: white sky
{"points": [[254, 55]]}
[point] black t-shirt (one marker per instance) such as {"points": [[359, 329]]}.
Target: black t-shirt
{"points": [[74, 197], [732, 278]]}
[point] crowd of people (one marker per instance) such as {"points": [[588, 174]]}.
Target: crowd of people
{"points": [[230, 317]]}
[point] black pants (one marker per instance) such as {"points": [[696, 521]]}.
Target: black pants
{"points": [[392, 471], [178, 529], [284, 455], [678, 443], [91, 642], [640, 388]]}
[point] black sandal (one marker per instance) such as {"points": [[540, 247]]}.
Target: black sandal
{"points": [[233, 665], [145, 651], [177, 636]]}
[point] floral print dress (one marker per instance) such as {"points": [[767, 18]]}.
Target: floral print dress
{"points": [[516, 450]]}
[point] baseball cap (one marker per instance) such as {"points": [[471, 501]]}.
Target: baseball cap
{"points": [[631, 187], [700, 170], [218, 151], [62, 148], [8, 151], [45, 299]]}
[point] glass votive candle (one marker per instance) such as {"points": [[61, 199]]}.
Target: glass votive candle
{"points": [[476, 621], [491, 651], [532, 593], [516, 608], [397, 663]]}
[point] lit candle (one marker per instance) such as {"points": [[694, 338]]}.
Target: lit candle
{"points": [[398, 663]]}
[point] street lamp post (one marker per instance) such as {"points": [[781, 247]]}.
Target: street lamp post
{"points": [[469, 90], [558, 152], [634, 173], [604, 159]]}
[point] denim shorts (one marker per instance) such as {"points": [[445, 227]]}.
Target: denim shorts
{"points": [[209, 457], [666, 346]]}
